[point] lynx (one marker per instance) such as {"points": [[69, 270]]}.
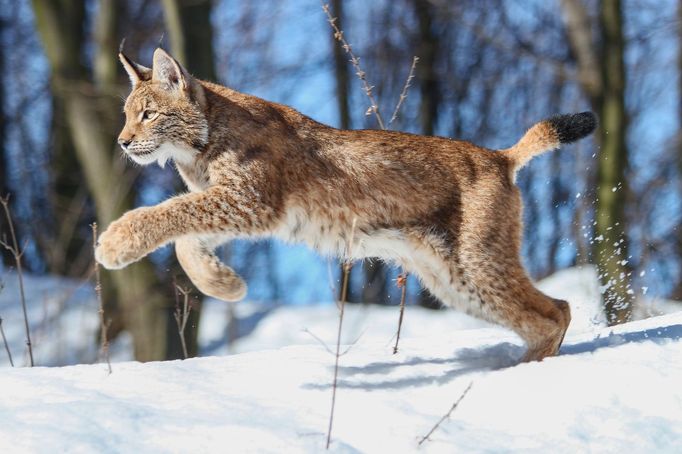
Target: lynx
{"points": [[447, 211]]}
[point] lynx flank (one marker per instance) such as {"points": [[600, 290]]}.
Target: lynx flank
{"points": [[446, 210]]}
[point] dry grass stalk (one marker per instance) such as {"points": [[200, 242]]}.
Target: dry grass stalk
{"points": [[402, 279], [181, 315], [104, 326], [401, 282], [344, 290], [14, 250], [406, 87], [446, 415], [4, 341], [355, 61]]}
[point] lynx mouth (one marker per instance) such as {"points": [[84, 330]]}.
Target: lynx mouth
{"points": [[162, 153], [142, 153], [144, 156]]}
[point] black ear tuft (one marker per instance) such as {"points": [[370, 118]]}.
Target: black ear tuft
{"points": [[572, 127]]}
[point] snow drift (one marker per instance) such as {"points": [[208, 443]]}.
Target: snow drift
{"points": [[617, 392], [609, 390]]}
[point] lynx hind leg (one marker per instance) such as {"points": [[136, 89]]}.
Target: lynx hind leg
{"points": [[545, 338], [508, 299], [212, 277], [539, 320]]}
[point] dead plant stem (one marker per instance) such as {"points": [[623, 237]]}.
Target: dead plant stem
{"points": [[104, 326], [4, 341], [344, 289], [14, 249], [446, 415], [402, 285], [182, 316], [403, 93], [355, 61]]}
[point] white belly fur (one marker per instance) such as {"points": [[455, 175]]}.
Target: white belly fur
{"points": [[387, 244]]}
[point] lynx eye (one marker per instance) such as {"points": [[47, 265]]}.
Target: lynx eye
{"points": [[148, 115]]}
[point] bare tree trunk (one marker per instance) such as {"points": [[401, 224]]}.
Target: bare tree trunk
{"points": [[191, 35], [5, 255], [677, 291], [611, 245], [603, 79], [341, 74], [92, 117], [429, 92], [579, 29], [60, 246], [426, 70]]}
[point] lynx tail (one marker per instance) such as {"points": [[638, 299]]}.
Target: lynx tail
{"points": [[550, 134]]}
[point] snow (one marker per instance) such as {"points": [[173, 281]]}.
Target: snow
{"points": [[63, 321], [264, 327], [610, 389], [618, 392], [301, 325]]}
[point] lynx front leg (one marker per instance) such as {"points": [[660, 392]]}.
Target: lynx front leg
{"points": [[214, 211], [206, 271]]}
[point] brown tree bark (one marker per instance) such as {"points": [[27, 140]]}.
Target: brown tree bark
{"points": [[677, 291], [92, 117], [428, 90], [60, 245], [603, 79], [342, 77], [5, 255], [612, 251]]}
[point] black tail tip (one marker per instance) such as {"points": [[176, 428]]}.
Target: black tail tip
{"points": [[572, 127]]}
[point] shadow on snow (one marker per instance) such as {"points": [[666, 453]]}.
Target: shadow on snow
{"points": [[471, 360]]}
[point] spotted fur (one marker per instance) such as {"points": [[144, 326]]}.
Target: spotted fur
{"points": [[446, 210]]}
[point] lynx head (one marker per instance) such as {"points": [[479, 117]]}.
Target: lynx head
{"points": [[164, 112]]}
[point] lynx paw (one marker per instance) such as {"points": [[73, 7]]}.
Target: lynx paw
{"points": [[120, 245]]}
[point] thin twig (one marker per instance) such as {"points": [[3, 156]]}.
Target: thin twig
{"points": [[182, 315], [355, 61], [326, 347], [401, 282], [403, 94], [4, 341], [344, 290], [104, 326], [318, 339], [446, 416], [14, 249]]}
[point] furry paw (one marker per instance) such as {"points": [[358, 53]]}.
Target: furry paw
{"points": [[121, 244]]}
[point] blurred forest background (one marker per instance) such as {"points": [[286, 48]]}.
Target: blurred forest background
{"points": [[487, 70]]}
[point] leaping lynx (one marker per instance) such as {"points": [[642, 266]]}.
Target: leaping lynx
{"points": [[447, 211]]}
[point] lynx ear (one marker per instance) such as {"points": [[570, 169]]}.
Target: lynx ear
{"points": [[168, 72], [136, 72]]}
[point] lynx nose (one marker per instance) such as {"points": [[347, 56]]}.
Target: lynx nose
{"points": [[124, 143]]}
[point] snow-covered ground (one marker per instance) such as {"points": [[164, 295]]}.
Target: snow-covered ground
{"points": [[297, 325], [610, 390], [618, 392], [63, 319]]}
